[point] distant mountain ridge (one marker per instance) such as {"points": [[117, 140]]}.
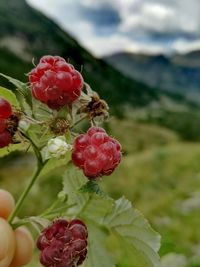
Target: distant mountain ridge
{"points": [[176, 74], [26, 33]]}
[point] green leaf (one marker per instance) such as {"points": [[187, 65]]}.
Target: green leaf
{"points": [[73, 179], [7, 150], [98, 255], [39, 134], [54, 163], [135, 236], [15, 82], [135, 233], [24, 91], [92, 187], [41, 111], [10, 96]]}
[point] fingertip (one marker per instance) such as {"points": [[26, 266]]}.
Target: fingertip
{"points": [[24, 247], [7, 243], [7, 203]]}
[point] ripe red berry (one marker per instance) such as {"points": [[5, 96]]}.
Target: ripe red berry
{"points": [[5, 109], [63, 244], [96, 153], [55, 82], [2, 125], [5, 139]]}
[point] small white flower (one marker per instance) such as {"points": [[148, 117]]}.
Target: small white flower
{"points": [[57, 147]]}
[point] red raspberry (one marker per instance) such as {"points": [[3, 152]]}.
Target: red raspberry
{"points": [[96, 153], [5, 139], [5, 114], [5, 109], [63, 244], [2, 125], [55, 82]]}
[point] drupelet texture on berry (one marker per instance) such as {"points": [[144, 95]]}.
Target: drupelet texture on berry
{"points": [[5, 109], [96, 153], [55, 82], [63, 244], [5, 113]]}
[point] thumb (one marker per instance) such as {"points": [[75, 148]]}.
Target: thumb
{"points": [[7, 243]]}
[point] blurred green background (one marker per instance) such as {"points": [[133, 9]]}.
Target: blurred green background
{"points": [[159, 131]]}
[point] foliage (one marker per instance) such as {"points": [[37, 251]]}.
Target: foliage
{"points": [[165, 180], [118, 217], [105, 217], [185, 122], [139, 136]]}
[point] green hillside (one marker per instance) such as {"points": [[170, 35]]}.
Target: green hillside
{"points": [[26, 34], [164, 184], [139, 136], [162, 180]]}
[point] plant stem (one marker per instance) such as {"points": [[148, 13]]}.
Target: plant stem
{"points": [[25, 193], [78, 121], [20, 223], [56, 212]]}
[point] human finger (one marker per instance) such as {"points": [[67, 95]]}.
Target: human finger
{"points": [[7, 243], [7, 203], [24, 247]]}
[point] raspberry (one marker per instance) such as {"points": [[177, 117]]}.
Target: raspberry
{"points": [[2, 125], [55, 82], [96, 153], [63, 244], [5, 109], [5, 139], [5, 117]]}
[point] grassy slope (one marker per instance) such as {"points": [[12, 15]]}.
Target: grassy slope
{"points": [[159, 178], [160, 182], [139, 136], [184, 121]]}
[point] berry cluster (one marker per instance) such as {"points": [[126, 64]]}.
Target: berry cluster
{"points": [[96, 153], [63, 244], [55, 82], [5, 113]]}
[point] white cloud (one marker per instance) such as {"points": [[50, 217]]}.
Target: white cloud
{"points": [[152, 16], [184, 46], [140, 21], [157, 10]]}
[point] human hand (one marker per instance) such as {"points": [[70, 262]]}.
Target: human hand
{"points": [[16, 246]]}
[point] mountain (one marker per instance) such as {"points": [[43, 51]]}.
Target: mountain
{"points": [[176, 74], [26, 34]]}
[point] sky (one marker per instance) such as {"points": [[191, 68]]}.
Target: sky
{"points": [[140, 26]]}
